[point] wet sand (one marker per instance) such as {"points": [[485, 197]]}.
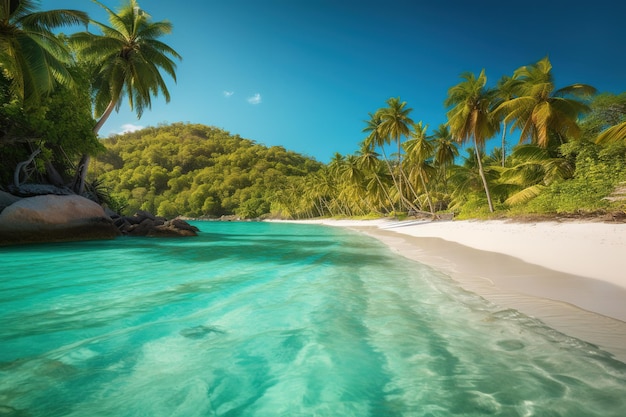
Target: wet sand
{"points": [[570, 276]]}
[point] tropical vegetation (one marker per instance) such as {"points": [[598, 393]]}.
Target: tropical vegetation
{"points": [[93, 72], [515, 146], [198, 171]]}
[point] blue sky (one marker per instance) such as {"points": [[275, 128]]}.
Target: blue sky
{"points": [[304, 74]]}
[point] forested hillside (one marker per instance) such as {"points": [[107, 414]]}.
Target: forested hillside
{"points": [[196, 170]]}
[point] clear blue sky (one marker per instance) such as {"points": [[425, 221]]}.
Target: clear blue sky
{"points": [[304, 74]]}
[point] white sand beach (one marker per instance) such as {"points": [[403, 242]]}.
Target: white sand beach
{"points": [[570, 275]]}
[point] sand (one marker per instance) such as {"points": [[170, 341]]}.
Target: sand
{"points": [[570, 275]]}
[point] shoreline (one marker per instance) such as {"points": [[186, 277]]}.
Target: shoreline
{"points": [[572, 275]]}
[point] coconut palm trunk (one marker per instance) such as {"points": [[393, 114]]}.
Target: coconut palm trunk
{"points": [[470, 117], [128, 59], [80, 178], [503, 143], [428, 199], [481, 171]]}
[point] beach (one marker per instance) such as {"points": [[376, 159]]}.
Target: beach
{"points": [[571, 275]]}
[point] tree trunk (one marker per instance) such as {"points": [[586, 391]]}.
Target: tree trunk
{"points": [[482, 176], [393, 177], [17, 181], [402, 198], [382, 187], [430, 202], [78, 185], [503, 143], [53, 175]]}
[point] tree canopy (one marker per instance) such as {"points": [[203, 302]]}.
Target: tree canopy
{"points": [[196, 170]]}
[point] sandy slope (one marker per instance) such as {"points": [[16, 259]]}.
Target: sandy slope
{"points": [[571, 275]]}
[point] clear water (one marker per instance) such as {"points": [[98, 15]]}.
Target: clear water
{"points": [[265, 319]]}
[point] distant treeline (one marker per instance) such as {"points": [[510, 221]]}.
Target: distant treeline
{"points": [[201, 171]]}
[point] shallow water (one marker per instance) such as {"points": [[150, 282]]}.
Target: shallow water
{"points": [[266, 319]]}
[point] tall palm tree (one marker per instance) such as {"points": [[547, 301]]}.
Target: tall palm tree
{"points": [[368, 162], [470, 118], [395, 123], [335, 165], [540, 110], [353, 185], [445, 147], [505, 91], [32, 57], [128, 59], [376, 138], [420, 150]]}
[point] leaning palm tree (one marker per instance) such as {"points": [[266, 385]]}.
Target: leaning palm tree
{"points": [[470, 118], [539, 110], [32, 57], [128, 59]]}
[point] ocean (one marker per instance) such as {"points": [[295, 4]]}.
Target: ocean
{"points": [[275, 319]]}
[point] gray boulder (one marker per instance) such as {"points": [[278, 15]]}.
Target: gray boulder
{"points": [[7, 199], [144, 223], [54, 218]]}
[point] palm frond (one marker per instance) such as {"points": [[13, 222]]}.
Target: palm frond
{"points": [[613, 134], [525, 195]]}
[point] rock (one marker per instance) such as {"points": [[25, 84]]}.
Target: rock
{"points": [[143, 223], [54, 218], [145, 215], [7, 199], [229, 218], [31, 190], [182, 225]]}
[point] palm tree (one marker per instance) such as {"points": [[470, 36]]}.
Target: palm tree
{"points": [[370, 164], [394, 124], [539, 110], [376, 138], [419, 151], [335, 165], [531, 170], [470, 117], [505, 91], [465, 178], [445, 148], [128, 59], [353, 184], [32, 57]]}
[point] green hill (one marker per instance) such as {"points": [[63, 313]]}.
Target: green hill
{"points": [[196, 170]]}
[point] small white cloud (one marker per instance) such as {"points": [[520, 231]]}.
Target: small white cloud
{"points": [[228, 93], [129, 128], [255, 99]]}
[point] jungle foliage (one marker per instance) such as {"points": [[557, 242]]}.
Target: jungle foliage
{"points": [[197, 171]]}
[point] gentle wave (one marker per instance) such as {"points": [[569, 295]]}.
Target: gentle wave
{"points": [[256, 319]]}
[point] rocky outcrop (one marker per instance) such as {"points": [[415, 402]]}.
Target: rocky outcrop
{"points": [[54, 218], [61, 218], [144, 223]]}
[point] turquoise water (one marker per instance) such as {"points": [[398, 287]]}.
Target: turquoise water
{"points": [[265, 319]]}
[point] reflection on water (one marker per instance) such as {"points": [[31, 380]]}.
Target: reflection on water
{"points": [[256, 319]]}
